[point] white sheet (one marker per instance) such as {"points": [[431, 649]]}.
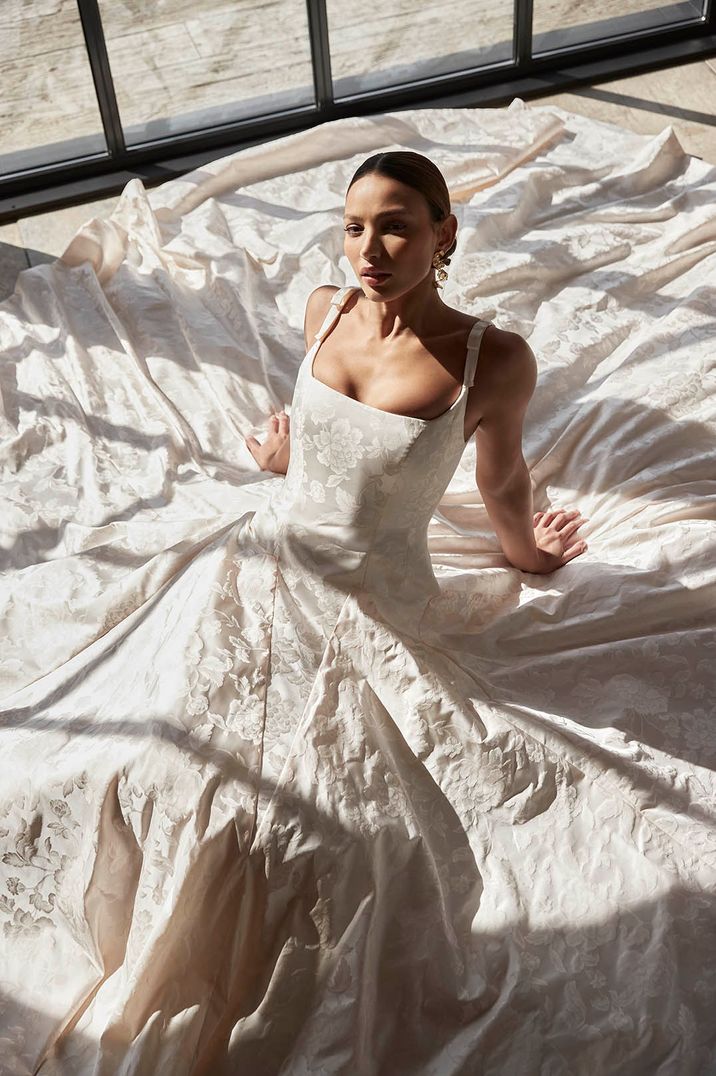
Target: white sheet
{"points": [[130, 367]]}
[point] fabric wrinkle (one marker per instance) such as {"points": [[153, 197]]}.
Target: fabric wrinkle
{"points": [[299, 776]]}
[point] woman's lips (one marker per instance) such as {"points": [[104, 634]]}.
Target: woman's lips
{"points": [[375, 276]]}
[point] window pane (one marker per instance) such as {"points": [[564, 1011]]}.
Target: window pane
{"points": [[48, 107], [184, 65], [374, 45], [559, 25]]}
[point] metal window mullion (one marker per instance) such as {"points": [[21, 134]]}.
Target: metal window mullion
{"points": [[320, 52], [523, 15], [102, 76]]}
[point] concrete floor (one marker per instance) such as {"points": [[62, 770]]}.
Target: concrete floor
{"points": [[681, 96]]}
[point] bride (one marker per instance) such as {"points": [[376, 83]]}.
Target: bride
{"points": [[400, 349], [319, 864]]}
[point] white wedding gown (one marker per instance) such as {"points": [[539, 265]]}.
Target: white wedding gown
{"points": [[284, 791]]}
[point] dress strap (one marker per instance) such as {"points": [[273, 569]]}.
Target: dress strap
{"points": [[336, 305], [473, 341], [473, 350]]}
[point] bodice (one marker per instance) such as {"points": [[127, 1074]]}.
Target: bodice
{"points": [[363, 483]]}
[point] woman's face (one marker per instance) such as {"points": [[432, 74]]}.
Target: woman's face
{"points": [[388, 227]]}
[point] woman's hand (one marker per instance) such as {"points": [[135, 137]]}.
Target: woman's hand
{"points": [[556, 538], [273, 454]]}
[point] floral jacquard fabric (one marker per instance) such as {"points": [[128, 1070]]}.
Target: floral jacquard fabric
{"points": [[298, 775]]}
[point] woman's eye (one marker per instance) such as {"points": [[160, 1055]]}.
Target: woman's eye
{"points": [[351, 228]]}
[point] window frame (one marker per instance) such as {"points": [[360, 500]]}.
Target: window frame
{"points": [[81, 177]]}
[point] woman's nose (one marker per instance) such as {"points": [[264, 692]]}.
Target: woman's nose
{"points": [[370, 246]]}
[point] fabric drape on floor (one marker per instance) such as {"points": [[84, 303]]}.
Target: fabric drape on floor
{"points": [[149, 923]]}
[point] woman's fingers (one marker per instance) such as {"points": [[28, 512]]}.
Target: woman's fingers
{"points": [[563, 516], [574, 551], [559, 518], [551, 516], [573, 543], [564, 523], [277, 424], [570, 528]]}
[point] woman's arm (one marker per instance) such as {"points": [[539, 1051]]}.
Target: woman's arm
{"points": [[274, 453], [502, 474]]}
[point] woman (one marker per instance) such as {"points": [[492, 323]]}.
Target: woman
{"points": [[284, 804], [399, 348], [301, 875]]}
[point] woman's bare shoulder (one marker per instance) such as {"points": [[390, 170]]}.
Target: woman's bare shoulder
{"points": [[507, 363], [461, 319], [316, 309], [500, 349], [502, 343], [499, 343], [505, 381]]}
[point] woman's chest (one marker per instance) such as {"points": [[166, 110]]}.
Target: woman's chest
{"points": [[408, 382]]}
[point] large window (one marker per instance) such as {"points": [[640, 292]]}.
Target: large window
{"points": [[94, 91], [561, 26], [182, 66], [377, 45], [48, 109]]}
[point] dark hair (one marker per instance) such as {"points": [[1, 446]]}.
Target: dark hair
{"points": [[415, 171]]}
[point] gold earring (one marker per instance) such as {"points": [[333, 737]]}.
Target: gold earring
{"points": [[439, 264]]}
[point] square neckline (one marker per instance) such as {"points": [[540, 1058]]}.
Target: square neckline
{"points": [[315, 347]]}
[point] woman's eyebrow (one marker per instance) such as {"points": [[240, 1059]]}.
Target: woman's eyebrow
{"points": [[385, 213]]}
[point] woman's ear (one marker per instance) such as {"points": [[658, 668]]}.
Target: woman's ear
{"points": [[449, 233]]}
